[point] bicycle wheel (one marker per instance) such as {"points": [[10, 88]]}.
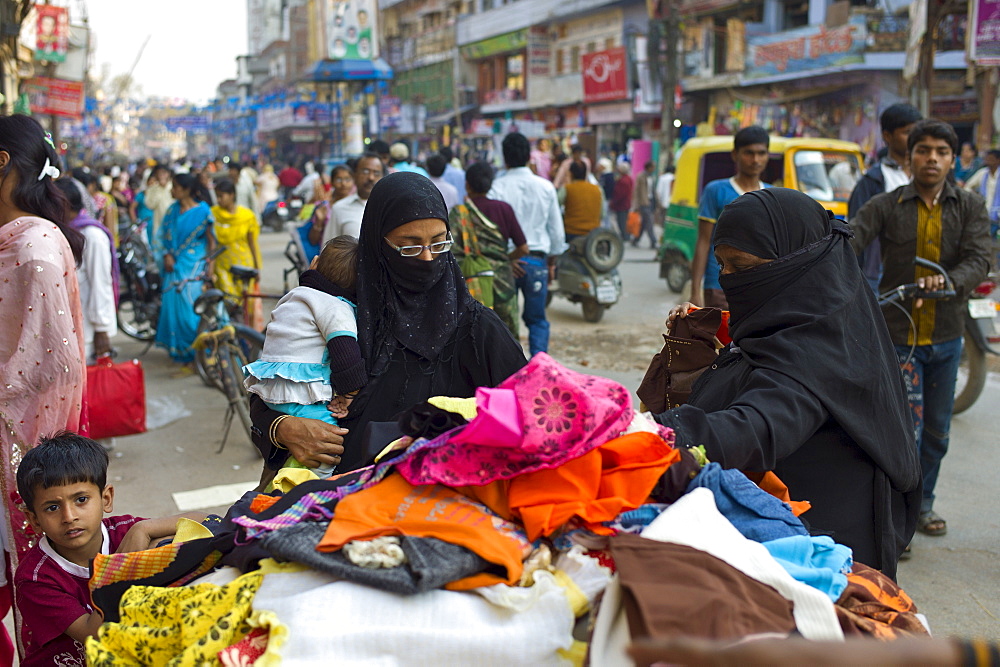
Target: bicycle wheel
{"points": [[137, 310], [251, 342], [231, 363], [206, 360]]}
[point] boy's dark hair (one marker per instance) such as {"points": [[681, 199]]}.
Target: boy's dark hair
{"points": [[516, 150], [752, 134], [64, 458], [899, 115], [578, 170], [935, 129], [379, 147], [338, 261], [72, 193], [447, 153], [435, 165], [994, 152], [225, 186], [479, 177]]}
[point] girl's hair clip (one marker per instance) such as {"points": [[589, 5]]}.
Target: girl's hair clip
{"points": [[49, 170], [48, 140]]}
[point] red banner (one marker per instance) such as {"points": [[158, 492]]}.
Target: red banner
{"points": [[54, 97], [605, 77], [52, 33]]}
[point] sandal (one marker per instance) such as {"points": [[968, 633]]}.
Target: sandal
{"points": [[907, 553], [929, 523]]}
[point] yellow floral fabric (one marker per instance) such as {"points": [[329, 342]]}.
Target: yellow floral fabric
{"points": [[185, 626]]}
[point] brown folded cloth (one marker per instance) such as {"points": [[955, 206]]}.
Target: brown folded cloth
{"points": [[873, 605], [671, 589]]}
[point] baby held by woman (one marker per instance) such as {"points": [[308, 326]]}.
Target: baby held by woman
{"points": [[311, 365]]}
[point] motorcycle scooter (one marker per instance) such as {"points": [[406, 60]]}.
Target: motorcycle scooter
{"points": [[587, 273]]}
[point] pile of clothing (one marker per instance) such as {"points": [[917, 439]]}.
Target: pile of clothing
{"points": [[541, 522]]}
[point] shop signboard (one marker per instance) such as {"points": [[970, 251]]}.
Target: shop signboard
{"points": [[804, 49], [985, 41], [605, 76], [539, 52], [191, 124], [511, 41], [351, 30], [52, 33], [389, 112], [54, 97], [606, 114]]}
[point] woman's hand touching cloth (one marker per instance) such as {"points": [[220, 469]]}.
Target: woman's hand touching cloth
{"points": [[681, 311], [312, 442]]}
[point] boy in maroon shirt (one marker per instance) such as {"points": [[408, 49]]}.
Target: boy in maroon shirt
{"points": [[63, 484]]}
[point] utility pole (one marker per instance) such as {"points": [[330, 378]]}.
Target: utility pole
{"points": [[670, 36]]}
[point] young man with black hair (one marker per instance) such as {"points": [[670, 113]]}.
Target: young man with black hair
{"points": [[984, 182], [892, 171], [536, 206], [436, 165], [750, 154], [344, 217], [453, 174], [933, 219]]}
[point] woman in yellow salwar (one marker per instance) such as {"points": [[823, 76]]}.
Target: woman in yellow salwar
{"points": [[237, 229]]}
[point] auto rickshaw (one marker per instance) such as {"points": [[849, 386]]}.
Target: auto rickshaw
{"points": [[824, 169]]}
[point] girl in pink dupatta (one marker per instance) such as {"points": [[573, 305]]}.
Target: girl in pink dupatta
{"points": [[42, 371]]}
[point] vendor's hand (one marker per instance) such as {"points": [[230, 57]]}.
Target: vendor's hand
{"points": [[338, 405], [929, 284], [312, 442], [517, 266], [680, 311], [102, 344], [168, 263]]}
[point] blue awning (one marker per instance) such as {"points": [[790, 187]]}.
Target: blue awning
{"points": [[349, 70]]}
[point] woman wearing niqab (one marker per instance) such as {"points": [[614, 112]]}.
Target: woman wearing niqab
{"points": [[420, 331], [810, 387]]}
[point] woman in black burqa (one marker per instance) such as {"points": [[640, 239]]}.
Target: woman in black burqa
{"points": [[421, 333], [811, 387]]}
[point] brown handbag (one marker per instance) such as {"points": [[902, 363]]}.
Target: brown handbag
{"points": [[687, 352]]}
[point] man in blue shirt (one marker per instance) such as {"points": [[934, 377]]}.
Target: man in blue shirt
{"points": [[750, 153], [399, 156]]}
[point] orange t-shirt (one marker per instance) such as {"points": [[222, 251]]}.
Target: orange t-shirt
{"points": [[395, 507], [598, 486]]}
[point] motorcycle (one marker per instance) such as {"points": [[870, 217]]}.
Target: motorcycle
{"points": [[276, 213], [139, 283], [587, 273], [981, 337]]}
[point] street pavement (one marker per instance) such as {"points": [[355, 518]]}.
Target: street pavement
{"points": [[952, 579]]}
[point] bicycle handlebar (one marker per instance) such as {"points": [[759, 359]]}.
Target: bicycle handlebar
{"points": [[912, 290]]}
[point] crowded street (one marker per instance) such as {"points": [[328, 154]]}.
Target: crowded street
{"points": [[500, 332]]}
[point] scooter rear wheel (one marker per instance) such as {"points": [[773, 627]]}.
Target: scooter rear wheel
{"points": [[592, 311], [972, 369]]}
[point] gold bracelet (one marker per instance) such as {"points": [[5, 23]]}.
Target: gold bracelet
{"points": [[273, 433]]}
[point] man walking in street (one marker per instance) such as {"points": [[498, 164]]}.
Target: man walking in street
{"points": [[436, 167], [750, 151], [399, 160], [345, 216], [984, 182], [643, 202], [621, 198], [933, 219], [536, 206], [892, 172], [289, 178]]}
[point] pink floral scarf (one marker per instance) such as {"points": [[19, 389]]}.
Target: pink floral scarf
{"points": [[538, 418]]}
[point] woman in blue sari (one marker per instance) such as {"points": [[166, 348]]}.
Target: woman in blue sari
{"points": [[185, 240]]}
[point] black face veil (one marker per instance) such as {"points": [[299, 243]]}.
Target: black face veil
{"points": [[413, 302], [810, 315]]}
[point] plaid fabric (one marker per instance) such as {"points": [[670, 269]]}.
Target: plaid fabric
{"points": [[170, 565]]}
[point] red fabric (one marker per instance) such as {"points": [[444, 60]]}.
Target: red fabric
{"points": [[50, 599], [115, 398], [621, 196], [247, 650], [290, 177]]}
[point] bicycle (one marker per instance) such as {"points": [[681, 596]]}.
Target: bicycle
{"points": [[972, 367], [222, 349], [139, 284]]}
